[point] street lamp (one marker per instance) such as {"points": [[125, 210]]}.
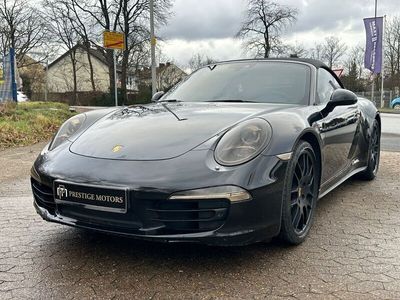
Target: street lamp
{"points": [[153, 50]]}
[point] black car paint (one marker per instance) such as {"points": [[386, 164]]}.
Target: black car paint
{"points": [[178, 155], [168, 137], [156, 180]]}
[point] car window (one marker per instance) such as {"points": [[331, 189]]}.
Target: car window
{"points": [[255, 81], [326, 85]]}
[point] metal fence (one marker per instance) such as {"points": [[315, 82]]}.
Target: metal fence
{"points": [[388, 96], [8, 76]]}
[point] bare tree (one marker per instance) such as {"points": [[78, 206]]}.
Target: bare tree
{"points": [[134, 24], [317, 52], [199, 60], [21, 28], [299, 50], [62, 30], [106, 15], [139, 57], [355, 59], [333, 50], [85, 31], [392, 52], [264, 22], [128, 16], [392, 46], [296, 49]]}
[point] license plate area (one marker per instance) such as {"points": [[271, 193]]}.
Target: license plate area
{"points": [[95, 197]]}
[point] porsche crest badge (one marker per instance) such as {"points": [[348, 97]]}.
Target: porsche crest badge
{"points": [[117, 148]]}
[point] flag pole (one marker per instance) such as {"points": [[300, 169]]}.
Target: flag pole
{"points": [[153, 50], [383, 59], [373, 74], [373, 87]]}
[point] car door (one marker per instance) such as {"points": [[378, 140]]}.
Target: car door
{"points": [[338, 130]]}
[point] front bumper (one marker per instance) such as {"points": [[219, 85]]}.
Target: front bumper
{"points": [[152, 216]]}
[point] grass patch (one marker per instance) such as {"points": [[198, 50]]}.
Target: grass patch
{"points": [[28, 123]]}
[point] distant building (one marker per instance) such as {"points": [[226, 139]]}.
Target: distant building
{"points": [[60, 72], [168, 74]]}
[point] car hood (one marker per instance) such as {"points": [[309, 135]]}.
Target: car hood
{"points": [[156, 131]]}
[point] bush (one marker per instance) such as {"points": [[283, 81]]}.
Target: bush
{"points": [[7, 108], [30, 122]]}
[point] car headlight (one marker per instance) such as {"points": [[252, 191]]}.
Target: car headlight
{"points": [[243, 142], [67, 130]]}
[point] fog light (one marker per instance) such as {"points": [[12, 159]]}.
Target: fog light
{"points": [[232, 193]]}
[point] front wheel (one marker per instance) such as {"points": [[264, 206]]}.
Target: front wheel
{"points": [[396, 106], [300, 194], [373, 153]]}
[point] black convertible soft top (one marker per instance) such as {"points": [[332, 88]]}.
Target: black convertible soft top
{"points": [[316, 63]]}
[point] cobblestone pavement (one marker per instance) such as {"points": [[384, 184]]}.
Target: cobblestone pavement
{"points": [[352, 253]]}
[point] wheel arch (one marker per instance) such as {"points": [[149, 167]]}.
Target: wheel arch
{"points": [[315, 142], [378, 119], [311, 137]]}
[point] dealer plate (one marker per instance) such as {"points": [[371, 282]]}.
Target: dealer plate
{"points": [[105, 198]]}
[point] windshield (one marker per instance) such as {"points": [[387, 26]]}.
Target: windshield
{"points": [[249, 81]]}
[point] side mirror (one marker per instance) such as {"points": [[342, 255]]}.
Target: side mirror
{"points": [[157, 96], [342, 97]]}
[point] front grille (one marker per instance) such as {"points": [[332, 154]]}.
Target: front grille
{"points": [[188, 216], [148, 213], [43, 195]]}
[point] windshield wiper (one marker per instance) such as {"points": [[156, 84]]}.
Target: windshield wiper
{"points": [[164, 104], [233, 101], [170, 100]]}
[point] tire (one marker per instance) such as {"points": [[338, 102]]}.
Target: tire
{"points": [[373, 154], [300, 194], [396, 106]]}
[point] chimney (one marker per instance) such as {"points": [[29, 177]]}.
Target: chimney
{"points": [[168, 64], [162, 65]]}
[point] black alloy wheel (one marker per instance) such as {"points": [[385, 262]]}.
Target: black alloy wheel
{"points": [[373, 154], [300, 194]]}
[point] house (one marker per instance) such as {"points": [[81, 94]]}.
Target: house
{"points": [[168, 74], [60, 72]]}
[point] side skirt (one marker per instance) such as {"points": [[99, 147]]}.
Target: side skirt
{"points": [[339, 182]]}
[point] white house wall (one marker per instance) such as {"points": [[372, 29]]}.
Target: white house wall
{"points": [[61, 80]]}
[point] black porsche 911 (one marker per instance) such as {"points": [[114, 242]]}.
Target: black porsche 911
{"points": [[238, 152]]}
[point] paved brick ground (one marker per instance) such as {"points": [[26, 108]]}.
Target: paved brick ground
{"points": [[352, 252]]}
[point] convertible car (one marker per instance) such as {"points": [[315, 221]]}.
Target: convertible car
{"points": [[238, 152]]}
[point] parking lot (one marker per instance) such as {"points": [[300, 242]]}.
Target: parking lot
{"points": [[352, 252]]}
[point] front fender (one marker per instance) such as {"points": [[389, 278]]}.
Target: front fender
{"points": [[287, 130]]}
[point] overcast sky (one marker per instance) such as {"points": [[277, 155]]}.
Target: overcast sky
{"points": [[208, 26]]}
